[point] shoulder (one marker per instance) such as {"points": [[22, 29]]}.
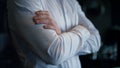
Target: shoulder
{"points": [[32, 5]]}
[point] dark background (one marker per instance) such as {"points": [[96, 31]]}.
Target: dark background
{"points": [[105, 16]]}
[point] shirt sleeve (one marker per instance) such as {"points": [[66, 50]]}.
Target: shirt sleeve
{"points": [[52, 48], [93, 43]]}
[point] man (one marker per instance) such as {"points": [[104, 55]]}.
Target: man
{"points": [[51, 33]]}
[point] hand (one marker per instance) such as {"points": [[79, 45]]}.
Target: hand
{"points": [[43, 17]]}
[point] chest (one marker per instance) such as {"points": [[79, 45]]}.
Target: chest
{"points": [[62, 11]]}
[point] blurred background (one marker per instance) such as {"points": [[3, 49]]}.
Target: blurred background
{"points": [[104, 17]]}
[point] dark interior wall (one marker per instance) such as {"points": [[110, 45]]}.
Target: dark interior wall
{"points": [[3, 20], [8, 56], [116, 22], [99, 12], [3, 15]]}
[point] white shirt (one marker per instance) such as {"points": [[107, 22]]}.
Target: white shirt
{"points": [[43, 48]]}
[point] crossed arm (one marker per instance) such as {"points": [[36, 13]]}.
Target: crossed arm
{"points": [[46, 40]]}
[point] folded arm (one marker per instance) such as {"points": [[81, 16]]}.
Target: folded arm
{"points": [[52, 48], [93, 43]]}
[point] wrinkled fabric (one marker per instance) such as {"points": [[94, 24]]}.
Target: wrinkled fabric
{"points": [[43, 48]]}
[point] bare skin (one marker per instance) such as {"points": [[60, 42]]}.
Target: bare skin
{"points": [[43, 17]]}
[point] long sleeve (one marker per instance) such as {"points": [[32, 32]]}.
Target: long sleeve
{"points": [[50, 47], [93, 43]]}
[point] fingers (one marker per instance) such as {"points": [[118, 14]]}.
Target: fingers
{"points": [[41, 17], [42, 20], [49, 27], [42, 13]]}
